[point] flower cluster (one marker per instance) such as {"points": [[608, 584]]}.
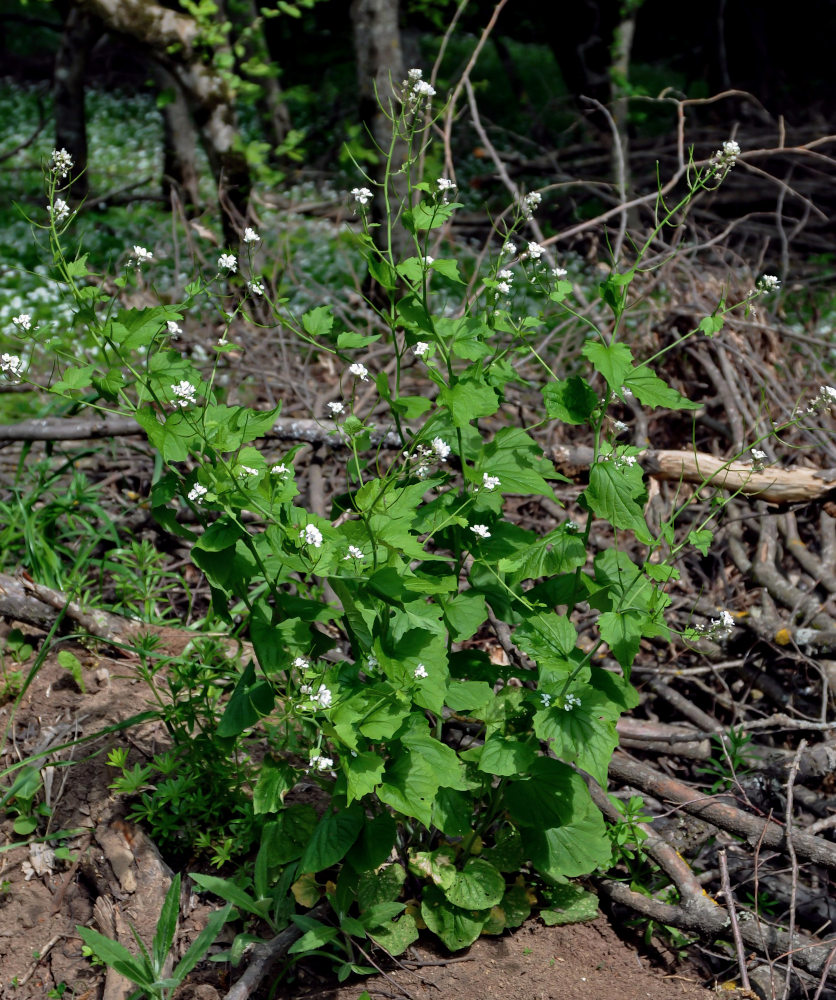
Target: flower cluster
{"points": [[247, 470], [415, 88], [509, 248], [60, 211], [197, 493], [173, 328], [323, 697], [489, 483], [311, 535], [420, 349], [425, 457], [571, 701], [256, 287], [720, 627], [359, 371], [251, 236], [481, 530], [825, 399], [353, 553], [61, 163], [23, 321], [767, 283], [336, 407], [12, 366], [534, 251], [141, 256], [529, 203], [505, 278], [185, 393], [420, 672], [279, 470], [227, 262], [319, 763], [362, 196], [724, 159]]}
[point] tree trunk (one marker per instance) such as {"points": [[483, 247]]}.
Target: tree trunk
{"points": [[81, 30], [180, 178], [173, 38]]}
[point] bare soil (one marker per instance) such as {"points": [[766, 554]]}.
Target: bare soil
{"points": [[115, 875]]}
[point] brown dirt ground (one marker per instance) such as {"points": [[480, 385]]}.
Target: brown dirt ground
{"points": [[42, 901]]}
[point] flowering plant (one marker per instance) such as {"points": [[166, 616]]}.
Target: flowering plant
{"points": [[437, 759]]}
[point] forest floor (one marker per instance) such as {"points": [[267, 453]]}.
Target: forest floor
{"points": [[117, 869]]}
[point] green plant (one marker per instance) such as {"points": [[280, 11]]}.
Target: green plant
{"points": [[144, 584], [149, 970], [625, 835], [733, 757], [425, 753]]}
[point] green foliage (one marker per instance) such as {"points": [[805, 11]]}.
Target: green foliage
{"points": [[365, 696], [732, 759]]}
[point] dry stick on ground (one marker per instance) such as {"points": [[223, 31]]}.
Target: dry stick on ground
{"points": [[788, 818], [267, 953], [720, 814], [729, 898]]}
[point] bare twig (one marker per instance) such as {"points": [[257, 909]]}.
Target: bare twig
{"points": [[788, 822], [728, 895]]}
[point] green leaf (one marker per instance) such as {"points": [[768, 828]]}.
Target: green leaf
{"points": [[167, 924], [518, 461], [506, 755], [701, 539], [547, 637], [576, 848], [464, 613], [469, 399], [383, 273], [584, 735], [363, 771], [250, 701], [395, 937], [709, 325], [201, 943], [275, 779], [77, 268], [621, 631], [316, 937], [455, 927], [332, 838], [568, 904], [477, 886], [351, 339], [612, 494], [115, 955], [375, 843], [613, 361], [228, 891], [653, 391], [221, 534], [318, 322], [571, 400], [438, 866]]}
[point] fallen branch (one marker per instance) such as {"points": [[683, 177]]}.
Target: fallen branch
{"points": [[720, 814]]}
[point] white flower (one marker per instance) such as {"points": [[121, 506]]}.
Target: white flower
{"points": [[247, 470], [279, 470], [767, 283], [423, 89], [141, 256], [571, 701], [24, 321], [185, 393], [758, 455], [11, 365], [62, 163], [626, 393], [251, 236], [559, 272], [724, 159], [535, 251], [197, 493], [489, 482], [481, 530], [619, 426], [509, 248], [60, 211], [305, 689], [420, 672], [826, 397], [302, 664], [420, 349], [428, 260], [627, 460], [441, 448], [445, 184], [503, 288], [362, 195], [311, 535], [414, 75], [506, 275], [227, 262], [354, 553], [256, 287], [726, 620], [320, 763], [173, 328], [572, 525], [532, 201], [336, 407], [546, 699], [323, 696], [359, 371]]}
